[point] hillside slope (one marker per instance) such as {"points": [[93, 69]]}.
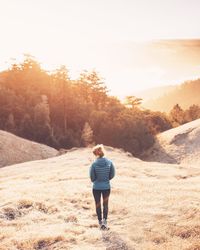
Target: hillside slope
{"points": [[48, 204], [154, 93], [177, 145], [14, 149], [185, 94]]}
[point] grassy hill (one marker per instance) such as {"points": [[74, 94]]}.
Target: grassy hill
{"points": [[14, 149], [48, 204], [177, 145]]}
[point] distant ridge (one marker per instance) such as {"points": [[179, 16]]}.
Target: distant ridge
{"points": [[185, 94], [154, 93], [14, 149]]}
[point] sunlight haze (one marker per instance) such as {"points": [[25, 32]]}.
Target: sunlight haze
{"points": [[134, 45]]}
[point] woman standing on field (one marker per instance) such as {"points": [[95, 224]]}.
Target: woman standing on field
{"points": [[101, 172]]}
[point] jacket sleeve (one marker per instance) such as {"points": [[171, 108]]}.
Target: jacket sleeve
{"points": [[112, 171], [92, 173]]}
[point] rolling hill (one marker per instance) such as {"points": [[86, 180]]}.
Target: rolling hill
{"points": [[14, 149], [177, 145]]}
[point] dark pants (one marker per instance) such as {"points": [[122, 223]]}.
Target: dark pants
{"points": [[97, 198]]}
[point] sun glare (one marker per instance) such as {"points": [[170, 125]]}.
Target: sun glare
{"points": [[109, 36]]}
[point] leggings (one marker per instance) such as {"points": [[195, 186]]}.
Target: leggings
{"points": [[97, 198]]}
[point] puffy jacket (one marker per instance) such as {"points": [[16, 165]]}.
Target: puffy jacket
{"points": [[101, 172]]}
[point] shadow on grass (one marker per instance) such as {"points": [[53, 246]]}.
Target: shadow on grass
{"points": [[113, 241]]}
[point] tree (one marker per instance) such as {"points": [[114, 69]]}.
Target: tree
{"points": [[156, 121], [132, 102], [97, 88], [27, 127], [87, 135], [10, 124], [53, 109], [42, 120], [177, 115], [192, 113], [62, 94]]}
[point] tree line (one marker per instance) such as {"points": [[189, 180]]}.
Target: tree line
{"points": [[53, 109], [179, 116]]}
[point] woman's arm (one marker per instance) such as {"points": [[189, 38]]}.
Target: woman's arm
{"points": [[92, 173], [112, 171]]}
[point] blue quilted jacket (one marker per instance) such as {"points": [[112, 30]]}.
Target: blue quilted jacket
{"points": [[101, 172]]}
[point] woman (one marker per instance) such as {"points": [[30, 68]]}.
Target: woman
{"points": [[101, 172]]}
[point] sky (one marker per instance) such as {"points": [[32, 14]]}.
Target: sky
{"points": [[133, 44]]}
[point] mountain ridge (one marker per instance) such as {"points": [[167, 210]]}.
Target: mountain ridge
{"points": [[185, 94]]}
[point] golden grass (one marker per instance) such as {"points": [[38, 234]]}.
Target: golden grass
{"points": [[150, 208]]}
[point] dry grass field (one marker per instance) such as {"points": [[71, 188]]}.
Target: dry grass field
{"points": [[47, 204]]}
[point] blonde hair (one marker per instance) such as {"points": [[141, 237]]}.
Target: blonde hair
{"points": [[98, 150]]}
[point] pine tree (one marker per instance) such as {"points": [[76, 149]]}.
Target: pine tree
{"points": [[177, 115], [10, 124], [132, 102], [27, 128], [42, 120], [87, 135]]}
